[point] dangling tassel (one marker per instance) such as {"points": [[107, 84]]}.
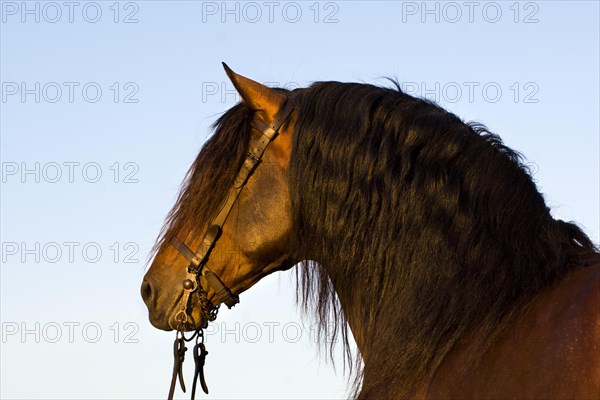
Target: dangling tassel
{"points": [[179, 350]]}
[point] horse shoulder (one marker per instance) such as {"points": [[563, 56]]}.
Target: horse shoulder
{"points": [[551, 351], [558, 340], [582, 326]]}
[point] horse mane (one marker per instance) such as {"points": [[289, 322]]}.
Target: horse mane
{"points": [[426, 228]]}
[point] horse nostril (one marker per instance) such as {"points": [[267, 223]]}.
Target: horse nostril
{"points": [[146, 291]]}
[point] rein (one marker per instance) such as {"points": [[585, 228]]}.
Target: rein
{"points": [[198, 271]]}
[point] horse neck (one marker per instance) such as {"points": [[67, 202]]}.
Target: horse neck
{"points": [[359, 311]]}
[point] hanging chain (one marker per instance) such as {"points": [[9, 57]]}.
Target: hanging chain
{"points": [[208, 312]]}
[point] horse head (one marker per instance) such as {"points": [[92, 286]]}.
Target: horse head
{"points": [[251, 239]]}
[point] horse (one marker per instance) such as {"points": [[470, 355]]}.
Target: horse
{"points": [[423, 236]]}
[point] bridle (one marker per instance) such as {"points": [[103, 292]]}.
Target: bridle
{"points": [[197, 268]]}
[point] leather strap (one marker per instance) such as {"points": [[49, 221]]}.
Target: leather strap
{"points": [[200, 354], [179, 350], [201, 256], [222, 293]]}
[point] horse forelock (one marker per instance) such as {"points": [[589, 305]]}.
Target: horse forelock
{"points": [[209, 177]]}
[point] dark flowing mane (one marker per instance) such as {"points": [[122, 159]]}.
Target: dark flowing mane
{"points": [[210, 176], [426, 228]]}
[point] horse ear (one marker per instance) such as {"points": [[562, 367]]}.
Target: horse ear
{"points": [[264, 100]]}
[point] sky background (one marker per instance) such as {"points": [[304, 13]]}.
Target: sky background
{"points": [[106, 104]]}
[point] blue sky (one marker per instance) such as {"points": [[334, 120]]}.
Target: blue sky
{"points": [[106, 104]]}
